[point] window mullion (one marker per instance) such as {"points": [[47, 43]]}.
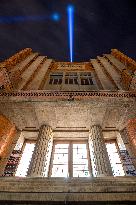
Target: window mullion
{"points": [[70, 160]]}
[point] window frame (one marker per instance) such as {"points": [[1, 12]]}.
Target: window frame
{"points": [[76, 78], [70, 155], [56, 78]]}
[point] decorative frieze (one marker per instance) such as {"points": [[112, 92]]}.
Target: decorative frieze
{"points": [[68, 95]]}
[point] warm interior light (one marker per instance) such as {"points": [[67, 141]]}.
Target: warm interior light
{"points": [[25, 160], [115, 161], [70, 159]]}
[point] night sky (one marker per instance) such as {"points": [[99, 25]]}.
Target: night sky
{"points": [[99, 26]]}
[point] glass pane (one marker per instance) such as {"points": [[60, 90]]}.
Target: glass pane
{"points": [[59, 151], [80, 171], [80, 161], [60, 146], [25, 160], [60, 161], [60, 171], [114, 158]]}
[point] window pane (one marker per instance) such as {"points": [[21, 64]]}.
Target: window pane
{"points": [[25, 160], [80, 171], [71, 78], [61, 146], [56, 78], [60, 171], [114, 158], [60, 161], [80, 161]]}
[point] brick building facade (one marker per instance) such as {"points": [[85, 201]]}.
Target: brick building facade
{"points": [[67, 130]]}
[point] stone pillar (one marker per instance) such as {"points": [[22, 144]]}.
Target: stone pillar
{"points": [[41, 157], [99, 157]]}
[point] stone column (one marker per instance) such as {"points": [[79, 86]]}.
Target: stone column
{"points": [[41, 157], [99, 157]]}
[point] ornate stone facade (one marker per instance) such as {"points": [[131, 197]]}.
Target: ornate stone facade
{"points": [[42, 101]]}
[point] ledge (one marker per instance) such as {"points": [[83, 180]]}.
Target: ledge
{"points": [[64, 95], [68, 189]]}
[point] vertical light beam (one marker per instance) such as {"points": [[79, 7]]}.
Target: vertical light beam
{"points": [[70, 10]]}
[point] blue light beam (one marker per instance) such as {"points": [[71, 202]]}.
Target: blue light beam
{"points": [[70, 10], [21, 19]]}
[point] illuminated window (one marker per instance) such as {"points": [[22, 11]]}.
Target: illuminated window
{"points": [[86, 79], [114, 157], [70, 159], [71, 78], [25, 159], [56, 78]]}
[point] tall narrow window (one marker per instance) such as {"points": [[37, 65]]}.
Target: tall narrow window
{"points": [[70, 159], [25, 159], [56, 78], [86, 79], [71, 78], [114, 157]]}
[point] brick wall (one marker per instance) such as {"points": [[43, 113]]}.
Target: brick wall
{"points": [[131, 129], [7, 137]]}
